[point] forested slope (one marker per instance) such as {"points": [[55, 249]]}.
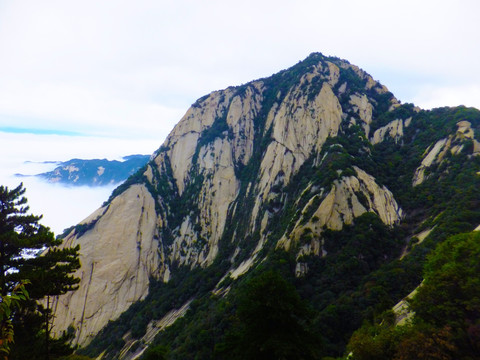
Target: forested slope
{"points": [[316, 179]]}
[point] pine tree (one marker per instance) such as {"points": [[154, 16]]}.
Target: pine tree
{"points": [[8, 304], [29, 251]]}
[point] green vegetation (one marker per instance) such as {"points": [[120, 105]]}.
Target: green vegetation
{"points": [[156, 353], [332, 281], [270, 322], [8, 305], [75, 357], [216, 324], [326, 293], [446, 308], [184, 286]]}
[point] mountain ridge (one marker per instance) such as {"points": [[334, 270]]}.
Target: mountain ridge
{"points": [[287, 162], [93, 172]]}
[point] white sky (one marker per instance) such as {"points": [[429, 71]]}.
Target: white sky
{"points": [[131, 68], [122, 73]]}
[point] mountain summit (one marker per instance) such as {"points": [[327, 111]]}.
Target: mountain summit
{"points": [[319, 167]]}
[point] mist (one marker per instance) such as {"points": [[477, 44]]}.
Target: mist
{"points": [[61, 206]]}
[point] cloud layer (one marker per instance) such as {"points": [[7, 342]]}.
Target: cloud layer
{"points": [[61, 206], [123, 68]]}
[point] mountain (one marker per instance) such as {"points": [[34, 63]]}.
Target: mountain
{"points": [[317, 172], [95, 172]]}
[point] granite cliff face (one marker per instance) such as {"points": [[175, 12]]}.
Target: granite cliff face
{"points": [[119, 253], [453, 144], [247, 169]]}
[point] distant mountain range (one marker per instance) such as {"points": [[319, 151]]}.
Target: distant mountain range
{"points": [[94, 172]]}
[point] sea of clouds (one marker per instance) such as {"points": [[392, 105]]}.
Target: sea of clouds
{"points": [[61, 206]]}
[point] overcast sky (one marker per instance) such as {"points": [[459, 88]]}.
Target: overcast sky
{"points": [[131, 68], [108, 78]]}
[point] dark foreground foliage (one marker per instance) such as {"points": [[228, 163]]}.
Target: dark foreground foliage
{"points": [[446, 320], [30, 255]]}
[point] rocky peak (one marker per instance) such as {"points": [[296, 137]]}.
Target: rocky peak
{"points": [[222, 183], [452, 144]]}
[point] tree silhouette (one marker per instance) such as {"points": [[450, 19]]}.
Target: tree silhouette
{"points": [[29, 251]]}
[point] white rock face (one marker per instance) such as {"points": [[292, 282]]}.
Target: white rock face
{"points": [[342, 205], [427, 161], [370, 82], [402, 311], [239, 112], [334, 73], [134, 349], [465, 129], [394, 129], [436, 154], [240, 117], [215, 163], [182, 141], [364, 109], [114, 274], [123, 249], [219, 189], [300, 127], [181, 155]]}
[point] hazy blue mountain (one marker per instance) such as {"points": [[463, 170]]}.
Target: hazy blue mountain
{"points": [[95, 172]]}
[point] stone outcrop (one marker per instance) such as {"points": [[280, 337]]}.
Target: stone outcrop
{"points": [[401, 309], [118, 255], [364, 109], [452, 144], [394, 129], [300, 127], [134, 348], [219, 189], [427, 161], [349, 197]]}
